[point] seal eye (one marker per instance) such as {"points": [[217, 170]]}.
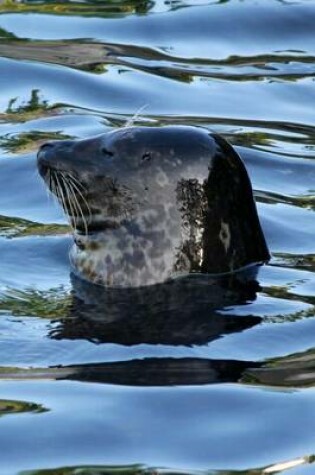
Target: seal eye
{"points": [[146, 156], [107, 152]]}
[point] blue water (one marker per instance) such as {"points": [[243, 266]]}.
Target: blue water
{"points": [[79, 397]]}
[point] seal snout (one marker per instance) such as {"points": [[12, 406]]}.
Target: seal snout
{"points": [[53, 156], [44, 158]]}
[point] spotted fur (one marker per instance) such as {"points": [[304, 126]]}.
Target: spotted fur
{"points": [[148, 204]]}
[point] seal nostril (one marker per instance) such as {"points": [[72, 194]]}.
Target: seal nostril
{"points": [[146, 156], [46, 146], [107, 152]]}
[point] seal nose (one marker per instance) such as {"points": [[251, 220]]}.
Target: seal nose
{"points": [[44, 157], [51, 152], [44, 148]]}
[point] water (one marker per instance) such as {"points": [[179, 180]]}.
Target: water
{"points": [[229, 394]]}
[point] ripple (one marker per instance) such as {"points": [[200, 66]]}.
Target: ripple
{"points": [[228, 390]]}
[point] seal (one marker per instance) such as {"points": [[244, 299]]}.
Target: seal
{"points": [[148, 204]]}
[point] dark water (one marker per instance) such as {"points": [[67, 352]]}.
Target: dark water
{"points": [[233, 395]]}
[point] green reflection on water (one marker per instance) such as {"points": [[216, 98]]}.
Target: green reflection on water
{"points": [[95, 470], [286, 292], [29, 141], [293, 371], [11, 227], [6, 34], [53, 303], [302, 201], [32, 109], [93, 57], [14, 407], [296, 261], [33, 104], [142, 470], [87, 8]]}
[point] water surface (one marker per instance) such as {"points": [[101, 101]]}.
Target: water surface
{"points": [[233, 392]]}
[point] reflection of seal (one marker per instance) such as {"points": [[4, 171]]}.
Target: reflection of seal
{"points": [[183, 312], [149, 203]]}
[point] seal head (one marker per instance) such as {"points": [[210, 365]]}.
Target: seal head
{"points": [[150, 203]]}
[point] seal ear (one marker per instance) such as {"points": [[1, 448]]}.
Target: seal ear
{"points": [[232, 236]]}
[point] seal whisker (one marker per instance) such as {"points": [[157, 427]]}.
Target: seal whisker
{"points": [[73, 178], [60, 194], [48, 189], [76, 188], [68, 211], [69, 193], [79, 208], [52, 186], [75, 185], [131, 121], [53, 189]]}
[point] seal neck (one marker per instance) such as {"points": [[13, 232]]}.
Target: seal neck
{"points": [[119, 258]]}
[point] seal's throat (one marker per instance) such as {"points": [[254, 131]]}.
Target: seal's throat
{"points": [[120, 257]]}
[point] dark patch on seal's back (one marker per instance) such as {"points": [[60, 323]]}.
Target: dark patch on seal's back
{"points": [[229, 195]]}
